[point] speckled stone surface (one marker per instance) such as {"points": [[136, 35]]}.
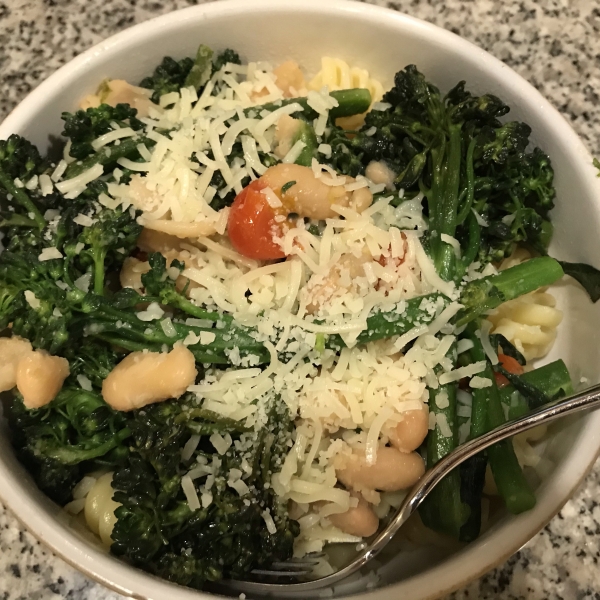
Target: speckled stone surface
{"points": [[554, 44]]}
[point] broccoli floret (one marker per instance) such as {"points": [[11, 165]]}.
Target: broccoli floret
{"points": [[19, 161], [226, 538], [171, 75], [64, 439], [84, 126], [423, 135], [168, 77], [227, 56]]}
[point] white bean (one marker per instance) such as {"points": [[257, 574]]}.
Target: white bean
{"points": [[392, 471], [289, 78], [12, 350], [379, 172], [131, 273], [118, 91], [359, 520], [408, 434], [309, 196], [40, 376], [143, 378]]}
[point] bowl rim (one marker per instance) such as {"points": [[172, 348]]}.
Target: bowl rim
{"points": [[120, 577]]}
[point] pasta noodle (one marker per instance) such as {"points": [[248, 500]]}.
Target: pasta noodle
{"points": [[337, 74], [100, 508], [529, 322]]}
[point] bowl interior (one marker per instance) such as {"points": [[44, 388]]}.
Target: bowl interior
{"points": [[382, 42]]}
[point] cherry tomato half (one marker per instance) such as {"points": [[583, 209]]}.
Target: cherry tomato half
{"points": [[252, 223], [511, 365]]}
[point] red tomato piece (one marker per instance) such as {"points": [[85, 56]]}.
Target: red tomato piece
{"points": [[251, 224], [501, 381], [511, 365]]}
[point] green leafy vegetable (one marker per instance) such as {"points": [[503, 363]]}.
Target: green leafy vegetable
{"points": [[227, 538], [586, 275]]}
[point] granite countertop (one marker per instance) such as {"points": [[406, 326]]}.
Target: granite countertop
{"points": [[554, 44]]}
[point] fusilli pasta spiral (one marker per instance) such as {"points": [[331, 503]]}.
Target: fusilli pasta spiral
{"points": [[528, 322], [100, 508], [337, 74]]}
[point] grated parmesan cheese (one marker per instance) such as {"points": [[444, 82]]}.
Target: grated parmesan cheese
{"points": [[187, 485], [461, 372], [31, 299], [49, 254], [478, 383]]}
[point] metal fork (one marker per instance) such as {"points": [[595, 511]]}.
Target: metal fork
{"points": [[585, 400], [293, 568]]}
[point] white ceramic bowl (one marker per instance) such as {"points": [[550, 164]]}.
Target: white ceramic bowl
{"points": [[383, 42]]}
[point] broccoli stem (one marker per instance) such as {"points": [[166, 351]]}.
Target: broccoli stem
{"points": [[472, 481], [202, 69], [477, 297], [72, 455], [23, 199], [350, 102], [381, 325], [126, 149], [550, 380], [124, 329], [444, 257], [99, 272], [490, 292], [470, 185], [443, 510], [509, 478], [473, 245], [306, 134]]}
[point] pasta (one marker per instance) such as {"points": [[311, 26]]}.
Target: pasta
{"points": [[93, 496], [337, 74], [100, 508], [97, 505], [529, 322]]}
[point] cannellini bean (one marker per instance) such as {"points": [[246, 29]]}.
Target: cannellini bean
{"points": [[118, 91], [40, 376], [359, 520], [393, 470], [143, 378], [131, 273], [309, 196], [289, 78], [408, 434], [379, 172], [12, 350]]}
